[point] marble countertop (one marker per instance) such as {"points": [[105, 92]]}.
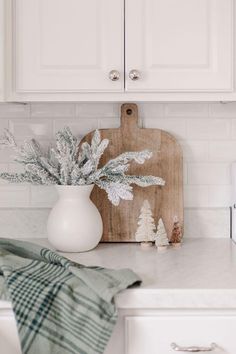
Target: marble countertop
{"points": [[199, 274]]}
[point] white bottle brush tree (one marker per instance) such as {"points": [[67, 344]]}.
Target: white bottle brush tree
{"points": [[145, 231], [161, 239]]}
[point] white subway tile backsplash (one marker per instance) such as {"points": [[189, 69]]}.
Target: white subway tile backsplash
{"points": [[23, 223], [222, 151], [206, 132], [208, 129], [97, 110], [4, 124], [219, 196], [195, 151], [79, 127], [195, 196], [208, 173], [207, 223], [31, 223], [6, 155], [14, 110], [43, 196], [33, 128], [185, 172], [175, 126], [233, 128], [12, 196], [151, 110], [186, 109], [106, 123], [52, 110], [223, 109]]}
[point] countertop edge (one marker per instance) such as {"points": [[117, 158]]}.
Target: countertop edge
{"points": [[167, 299]]}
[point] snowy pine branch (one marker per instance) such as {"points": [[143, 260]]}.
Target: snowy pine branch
{"points": [[145, 181], [21, 177], [8, 140], [127, 157], [69, 163], [116, 191]]}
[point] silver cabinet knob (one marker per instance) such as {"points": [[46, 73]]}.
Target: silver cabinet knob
{"points": [[194, 349], [134, 75], [114, 75]]}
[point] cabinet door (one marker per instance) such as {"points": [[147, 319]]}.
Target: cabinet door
{"points": [[67, 45], [179, 45], [155, 335], [2, 32]]}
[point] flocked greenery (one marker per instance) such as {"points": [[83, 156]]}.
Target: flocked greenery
{"points": [[68, 163]]}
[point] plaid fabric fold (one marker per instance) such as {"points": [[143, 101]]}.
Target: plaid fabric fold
{"points": [[60, 306]]}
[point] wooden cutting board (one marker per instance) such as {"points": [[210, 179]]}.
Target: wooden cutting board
{"points": [[120, 222]]}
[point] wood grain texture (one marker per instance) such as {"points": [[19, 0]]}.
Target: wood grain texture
{"points": [[120, 223]]}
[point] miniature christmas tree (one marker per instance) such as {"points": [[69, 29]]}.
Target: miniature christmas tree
{"points": [[161, 239], [176, 232], [145, 231]]}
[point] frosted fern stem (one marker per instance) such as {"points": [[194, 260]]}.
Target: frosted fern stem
{"points": [[69, 163]]}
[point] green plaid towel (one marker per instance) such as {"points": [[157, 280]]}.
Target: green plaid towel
{"points": [[60, 306]]}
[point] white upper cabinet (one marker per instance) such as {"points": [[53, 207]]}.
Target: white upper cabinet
{"points": [[183, 45], [124, 50], [67, 45], [2, 32]]}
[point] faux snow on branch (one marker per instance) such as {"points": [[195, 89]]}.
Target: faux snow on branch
{"points": [[68, 163]]}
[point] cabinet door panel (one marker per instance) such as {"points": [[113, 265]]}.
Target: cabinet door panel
{"points": [[154, 335], [183, 45], [68, 45]]}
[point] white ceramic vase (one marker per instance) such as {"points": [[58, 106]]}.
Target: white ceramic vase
{"points": [[74, 223]]}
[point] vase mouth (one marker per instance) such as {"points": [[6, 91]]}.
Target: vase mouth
{"points": [[70, 191], [73, 186]]}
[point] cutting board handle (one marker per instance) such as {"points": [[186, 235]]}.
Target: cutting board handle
{"points": [[129, 116]]}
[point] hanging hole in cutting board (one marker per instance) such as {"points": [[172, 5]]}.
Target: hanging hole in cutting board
{"points": [[129, 111]]}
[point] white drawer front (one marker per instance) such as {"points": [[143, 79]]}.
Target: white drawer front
{"points": [[9, 341], [154, 334]]}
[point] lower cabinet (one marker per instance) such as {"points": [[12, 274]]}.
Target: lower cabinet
{"points": [[167, 334], [9, 341], [155, 332]]}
